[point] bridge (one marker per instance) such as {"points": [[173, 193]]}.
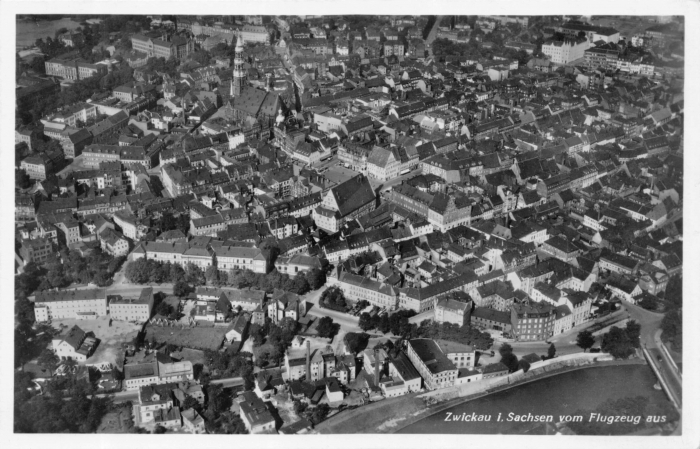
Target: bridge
{"points": [[666, 371]]}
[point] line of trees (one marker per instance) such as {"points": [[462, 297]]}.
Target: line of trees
{"points": [[142, 271], [459, 334], [396, 323], [64, 268]]}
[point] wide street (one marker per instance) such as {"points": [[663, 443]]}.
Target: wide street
{"points": [[432, 35], [564, 343]]}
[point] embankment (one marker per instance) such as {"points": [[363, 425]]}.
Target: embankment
{"points": [[390, 415]]}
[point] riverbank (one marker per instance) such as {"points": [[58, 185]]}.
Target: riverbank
{"points": [[395, 414], [442, 406]]}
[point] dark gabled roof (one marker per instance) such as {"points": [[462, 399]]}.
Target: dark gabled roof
{"points": [[353, 194]]}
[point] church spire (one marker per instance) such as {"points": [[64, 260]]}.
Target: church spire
{"points": [[238, 72]]}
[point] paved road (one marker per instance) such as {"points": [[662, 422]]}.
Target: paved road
{"points": [[229, 382], [347, 322], [650, 338], [432, 35], [564, 343]]}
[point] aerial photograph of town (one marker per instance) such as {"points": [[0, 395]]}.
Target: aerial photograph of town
{"points": [[348, 224]]}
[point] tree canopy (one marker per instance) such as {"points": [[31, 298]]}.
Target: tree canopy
{"points": [[585, 340]]}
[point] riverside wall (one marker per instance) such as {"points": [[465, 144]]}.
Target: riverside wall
{"points": [[537, 370]]}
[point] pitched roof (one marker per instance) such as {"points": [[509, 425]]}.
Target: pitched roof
{"points": [[353, 194]]}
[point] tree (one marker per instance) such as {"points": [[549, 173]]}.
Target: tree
{"points": [[672, 328], [212, 275], [316, 278], [138, 271], [182, 288], [384, 325], [333, 298], [356, 342], [22, 179], [616, 342], [365, 322], [633, 330], [505, 349], [164, 309], [326, 327], [551, 351], [585, 340], [48, 359], [299, 406], [648, 303], [189, 402], [524, 365], [320, 413], [510, 360]]}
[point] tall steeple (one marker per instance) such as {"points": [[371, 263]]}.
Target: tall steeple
{"points": [[238, 73]]}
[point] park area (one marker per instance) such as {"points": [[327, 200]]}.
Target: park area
{"points": [[199, 337], [29, 31]]}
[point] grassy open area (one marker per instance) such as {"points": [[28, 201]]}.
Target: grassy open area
{"points": [[189, 337]]}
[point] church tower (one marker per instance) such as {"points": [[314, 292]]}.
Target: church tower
{"points": [[238, 72]]}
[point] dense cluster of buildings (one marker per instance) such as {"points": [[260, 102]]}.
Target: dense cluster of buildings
{"points": [[515, 198]]}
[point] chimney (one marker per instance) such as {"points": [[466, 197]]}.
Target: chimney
{"points": [[308, 361], [376, 366]]}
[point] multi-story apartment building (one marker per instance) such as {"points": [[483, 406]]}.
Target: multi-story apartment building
{"points": [[80, 304], [234, 258], [451, 311], [132, 309], [359, 288], [71, 68], [532, 321], [37, 250], [435, 367], [353, 156], [177, 47], [565, 51], [383, 163], [161, 371]]}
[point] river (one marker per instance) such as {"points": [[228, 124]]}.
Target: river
{"points": [[28, 32], [561, 394]]}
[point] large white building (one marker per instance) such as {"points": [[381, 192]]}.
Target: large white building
{"points": [[132, 309], [72, 304], [227, 257], [161, 371], [566, 51], [439, 362], [357, 288]]}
